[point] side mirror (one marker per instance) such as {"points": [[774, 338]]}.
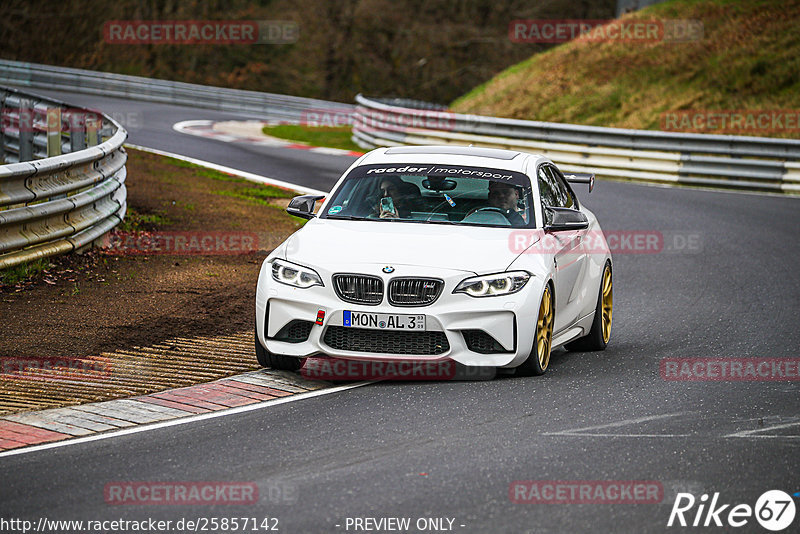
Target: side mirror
{"points": [[303, 206], [581, 178], [561, 219]]}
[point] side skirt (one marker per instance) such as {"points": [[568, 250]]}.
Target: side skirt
{"points": [[577, 329]]}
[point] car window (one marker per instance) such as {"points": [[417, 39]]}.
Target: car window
{"points": [[553, 189], [431, 193], [566, 194], [547, 187]]}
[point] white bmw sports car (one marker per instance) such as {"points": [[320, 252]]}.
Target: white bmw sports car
{"points": [[473, 255]]}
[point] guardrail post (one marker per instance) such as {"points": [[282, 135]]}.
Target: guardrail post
{"points": [[25, 125], [77, 131], [53, 132], [54, 138], [91, 131], [3, 124]]}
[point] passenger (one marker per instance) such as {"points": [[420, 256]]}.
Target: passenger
{"points": [[403, 195]]}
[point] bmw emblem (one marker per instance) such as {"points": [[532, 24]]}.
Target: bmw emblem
{"points": [[388, 269]]}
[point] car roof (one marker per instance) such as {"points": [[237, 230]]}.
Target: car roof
{"points": [[451, 155]]}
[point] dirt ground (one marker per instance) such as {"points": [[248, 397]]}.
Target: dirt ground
{"points": [[84, 305], [141, 300]]}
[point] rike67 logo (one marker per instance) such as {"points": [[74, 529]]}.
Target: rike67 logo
{"points": [[774, 510]]}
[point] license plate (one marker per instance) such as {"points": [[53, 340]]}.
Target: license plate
{"points": [[383, 321]]}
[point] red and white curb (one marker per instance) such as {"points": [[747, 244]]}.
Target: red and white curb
{"points": [[206, 128], [234, 394]]}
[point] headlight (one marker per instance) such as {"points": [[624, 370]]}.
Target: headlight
{"points": [[493, 285], [294, 275]]}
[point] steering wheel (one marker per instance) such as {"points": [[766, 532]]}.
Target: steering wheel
{"points": [[486, 208]]}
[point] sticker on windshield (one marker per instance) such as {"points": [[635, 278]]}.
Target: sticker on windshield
{"points": [[449, 200], [334, 210]]}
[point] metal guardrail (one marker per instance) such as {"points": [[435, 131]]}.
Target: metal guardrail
{"points": [[262, 105], [751, 163], [63, 187]]}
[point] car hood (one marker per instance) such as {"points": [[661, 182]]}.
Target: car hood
{"points": [[326, 242]]}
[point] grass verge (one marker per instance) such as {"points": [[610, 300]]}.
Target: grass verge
{"points": [[24, 272], [323, 136], [747, 58]]}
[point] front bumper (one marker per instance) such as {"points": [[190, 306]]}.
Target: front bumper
{"points": [[450, 321]]}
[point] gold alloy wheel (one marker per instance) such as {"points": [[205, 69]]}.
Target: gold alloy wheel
{"points": [[544, 329], [608, 303]]}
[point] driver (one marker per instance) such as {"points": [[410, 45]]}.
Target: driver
{"points": [[506, 197]]}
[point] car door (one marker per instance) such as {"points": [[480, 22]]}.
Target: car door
{"points": [[569, 254]]}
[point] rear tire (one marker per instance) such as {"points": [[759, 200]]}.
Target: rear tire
{"points": [[539, 358], [600, 333], [275, 361]]}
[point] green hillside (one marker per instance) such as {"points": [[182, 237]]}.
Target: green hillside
{"points": [[747, 59]]}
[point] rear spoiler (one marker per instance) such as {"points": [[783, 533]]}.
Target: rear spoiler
{"points": [[581, 178]]}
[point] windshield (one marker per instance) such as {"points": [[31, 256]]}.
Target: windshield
{"points": [[425, 193]]}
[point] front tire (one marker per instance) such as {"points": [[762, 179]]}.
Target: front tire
{"points": [[539, 358], [275, 361], [600, 333]]}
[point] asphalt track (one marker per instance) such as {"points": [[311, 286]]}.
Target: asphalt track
{"points": [[150, 125], [452, 449]]}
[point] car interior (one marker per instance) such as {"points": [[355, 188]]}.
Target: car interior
{"points": [[428, 198]]}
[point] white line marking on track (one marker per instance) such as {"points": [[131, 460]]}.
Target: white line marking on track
{"points": [[772, 436], [750, 433], [231, 132], [183, 421], [181, 126], [229, 170], [580, 431], [590, 435]]}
